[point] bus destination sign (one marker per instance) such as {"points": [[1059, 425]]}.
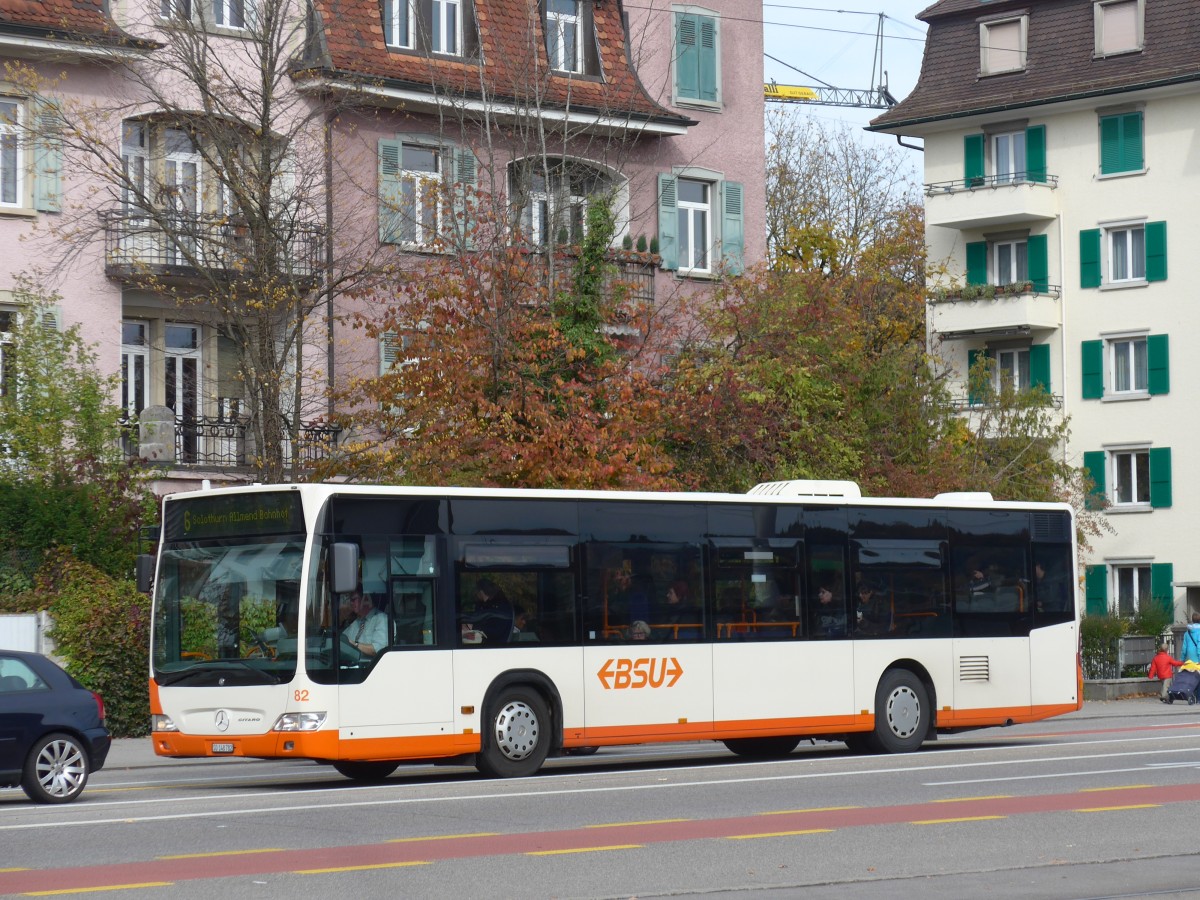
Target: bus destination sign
{"points": [[234, 515]]}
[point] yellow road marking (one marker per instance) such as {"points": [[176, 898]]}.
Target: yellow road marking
{"points": [[395, 865], [1119, 808], [14, 870], [647, 822], [968, 799], [222, 853], [771, 834], [584, 850], [93, 890], [441, 837], [1126, 787], [788, 812], [951, 821]]}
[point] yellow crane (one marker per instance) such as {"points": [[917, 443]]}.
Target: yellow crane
{"points": [[828, 95]]}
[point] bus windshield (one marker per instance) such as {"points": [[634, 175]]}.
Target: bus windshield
{"points": [[226, 611]]}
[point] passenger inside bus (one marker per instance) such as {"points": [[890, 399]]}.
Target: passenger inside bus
{"points": [[494, 615], [829, 615], [678, 611]]}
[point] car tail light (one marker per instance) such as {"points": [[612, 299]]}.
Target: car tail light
{"points": [[99, 705]]}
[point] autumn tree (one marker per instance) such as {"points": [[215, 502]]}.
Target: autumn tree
{"points": [[831, 197]]}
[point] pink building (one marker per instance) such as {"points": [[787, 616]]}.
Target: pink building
{"points": [[119, 193]]}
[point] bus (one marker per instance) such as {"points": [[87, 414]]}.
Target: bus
{"points": [[366, 627]]}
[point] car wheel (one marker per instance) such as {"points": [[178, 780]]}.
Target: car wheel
{"points": [[518, 737], [56, 770]]}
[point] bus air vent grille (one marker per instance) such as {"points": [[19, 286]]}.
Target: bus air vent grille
{"points": [[974, 668], [1051, 527], [841, 490]]}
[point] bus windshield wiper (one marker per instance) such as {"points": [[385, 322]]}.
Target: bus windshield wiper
{"points": [[209, 672]]}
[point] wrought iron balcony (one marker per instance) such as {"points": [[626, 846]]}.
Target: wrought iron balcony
{"points": [[223, 442], [181, 245]]}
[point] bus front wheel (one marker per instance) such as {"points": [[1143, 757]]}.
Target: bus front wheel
{"points": [[517, 739], [901, 713]]}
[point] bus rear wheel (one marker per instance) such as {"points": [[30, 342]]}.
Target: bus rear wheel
{"points": [[358, 770], [517, 739], [901, 713], [762, 747]]}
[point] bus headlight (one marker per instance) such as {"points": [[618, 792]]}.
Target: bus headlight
{"points": [[301, 721], [159, 722]]}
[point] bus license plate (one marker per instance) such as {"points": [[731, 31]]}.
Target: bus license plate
{"points": [[222, 748]]}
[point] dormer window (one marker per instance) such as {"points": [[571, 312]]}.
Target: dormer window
{"points": [[446, 27], [1119, 25], [563, 35], [1003, 45], [397, 23]]}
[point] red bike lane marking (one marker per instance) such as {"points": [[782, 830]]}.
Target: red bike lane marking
{"points": [[404, 852]]}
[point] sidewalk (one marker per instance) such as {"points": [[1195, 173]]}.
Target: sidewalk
{"points": [[138, 753]]}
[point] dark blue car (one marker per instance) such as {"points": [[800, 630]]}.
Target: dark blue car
{"points": [[52, 734]]}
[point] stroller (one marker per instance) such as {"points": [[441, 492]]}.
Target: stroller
{"points": [[1184, 686]]}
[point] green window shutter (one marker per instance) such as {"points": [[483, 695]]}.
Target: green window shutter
{"points": [[1160, 477], [1095, 462], [1110, 145], [1038, 255], [733, 230], [463, 176], [977, 252], [1096, 590], [1159, 358], [1039, 367], [47, 158], [1035, 153], [1089, 258], [1131, 143], [1162, 588], [687, 56], [1156, 251], [1092, 354], [707, 58], [978, 381], [973, 160], [389, 192], [668, 222]]}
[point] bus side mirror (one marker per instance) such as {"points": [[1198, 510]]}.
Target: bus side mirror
{"points": [[343, 568], [145, 572]]}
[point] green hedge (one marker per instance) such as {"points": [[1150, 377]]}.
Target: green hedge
{"points": [[102, 631]]}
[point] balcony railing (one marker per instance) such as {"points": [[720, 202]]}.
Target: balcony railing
{"points": [[990, 200], [982, 181], [224, 443], [182, 244], [969, 310], [973, 404]]}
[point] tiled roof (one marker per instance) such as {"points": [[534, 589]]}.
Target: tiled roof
{"points": [[59, 18], [510, 32], [1059, 63]]}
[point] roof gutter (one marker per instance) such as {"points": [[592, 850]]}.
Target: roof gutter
{"points": [[423, 97]]}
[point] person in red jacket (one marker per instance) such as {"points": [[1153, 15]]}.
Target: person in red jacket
{"points": [[1162, 667]]}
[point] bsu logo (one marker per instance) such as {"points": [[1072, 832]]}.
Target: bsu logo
{"points": [[619, 674]]}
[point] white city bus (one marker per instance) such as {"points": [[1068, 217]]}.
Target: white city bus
{"points": [[503, 626]]}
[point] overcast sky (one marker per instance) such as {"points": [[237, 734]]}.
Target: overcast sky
{"points": [[834, 43]]}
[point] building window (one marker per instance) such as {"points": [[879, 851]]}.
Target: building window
{"points": [[550, 198], [564, 35], [1131, 478], [446, 31], [1119, 26], [232, 13], [1127, 254], [180, 10], [1012, 369], [1129, 364], [1010, 262], [1133, 588], [397, 23], [695, 226], [1121, 144], [414, 177], [697, 59], [1002, 45], [12, 154], [135, 368], [1008, 157]]}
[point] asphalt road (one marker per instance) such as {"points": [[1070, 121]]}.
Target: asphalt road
{"points": [[1100, 803]]}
